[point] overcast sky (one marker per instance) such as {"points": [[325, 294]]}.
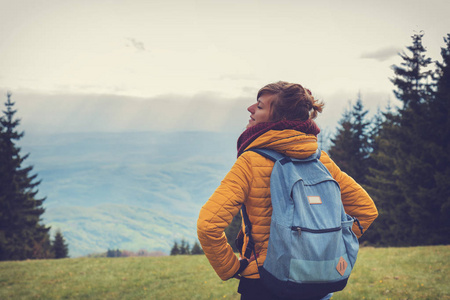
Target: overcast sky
{"points": [[111, 65]]}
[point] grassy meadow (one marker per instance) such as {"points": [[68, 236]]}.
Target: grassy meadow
{"points": [[380, 273]]}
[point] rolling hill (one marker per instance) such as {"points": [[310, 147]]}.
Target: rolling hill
{"points": [[131, 191]]}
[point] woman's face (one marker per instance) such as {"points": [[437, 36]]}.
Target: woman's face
{"points": [[260, 111]]}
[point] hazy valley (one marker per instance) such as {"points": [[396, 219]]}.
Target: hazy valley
{"points": [[127, 190]]}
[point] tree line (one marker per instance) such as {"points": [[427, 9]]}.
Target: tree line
{"points": [[22, 233], [128, 253], [183, 248], [402, 155]]}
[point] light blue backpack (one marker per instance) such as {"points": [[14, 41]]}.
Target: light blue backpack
{"points": [[312, 248]]}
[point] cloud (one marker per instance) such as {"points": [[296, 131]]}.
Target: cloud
{"points": [[381, 54], [138, 45], [208, 111], [57, 113]]}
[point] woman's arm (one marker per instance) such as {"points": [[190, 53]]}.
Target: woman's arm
{"points": [[357, 203], [217, 214]]}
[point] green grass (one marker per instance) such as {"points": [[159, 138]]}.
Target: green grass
{"points": [[380, 273], [400, 273]]}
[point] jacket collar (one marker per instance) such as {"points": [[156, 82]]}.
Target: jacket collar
{"points": [[254, 132], [289, 142]]}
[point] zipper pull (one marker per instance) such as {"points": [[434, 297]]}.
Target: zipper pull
{"points": [[298, 229], [359, 224]]}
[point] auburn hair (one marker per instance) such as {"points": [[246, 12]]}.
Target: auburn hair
{"points": [[291, 102]]}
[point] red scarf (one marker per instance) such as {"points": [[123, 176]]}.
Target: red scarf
{"points": [[250, 134]]}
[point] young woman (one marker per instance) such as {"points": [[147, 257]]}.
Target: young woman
{"points": [[282, 120]]}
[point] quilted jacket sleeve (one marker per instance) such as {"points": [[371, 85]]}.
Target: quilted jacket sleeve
{"points": [[357, 203], [217, 214]]}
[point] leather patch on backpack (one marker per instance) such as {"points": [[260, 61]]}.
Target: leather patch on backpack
{"points": [[341, 266], [314, 200]]}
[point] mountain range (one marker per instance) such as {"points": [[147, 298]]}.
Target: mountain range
{"points": [[127, 190]]}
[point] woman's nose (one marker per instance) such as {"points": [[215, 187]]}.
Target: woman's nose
{"points": [[251, 108]]}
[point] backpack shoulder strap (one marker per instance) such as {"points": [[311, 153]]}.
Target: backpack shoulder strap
{"points": [[248, 232], [275, 156]]}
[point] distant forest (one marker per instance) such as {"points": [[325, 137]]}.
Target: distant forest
{"points": [[401, 156]]}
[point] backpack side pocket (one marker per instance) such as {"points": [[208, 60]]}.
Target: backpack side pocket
{"points": [[350, 240]]}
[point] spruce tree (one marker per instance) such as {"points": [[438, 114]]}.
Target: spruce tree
{"points": [[389, 227], [110, 253], [439, 146], [361, 139], [340, 147], [184, 247], [22, 235], [411, 78], [175, 249], [413, 163], [440, 105], [232, 231], [350, 147], [117, 253], [196, 249], [403, 180], [60, 248]]}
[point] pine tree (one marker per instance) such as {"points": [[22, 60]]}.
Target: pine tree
{"points": [[113, 253], [413, 163], [43, 248], [361, 138], [184, 247], [110, 253], [22, 235], [441, 103], [340, 148], [412, 77], [402, 178], [117, 253], [232, 231], [196, 249], [323, 139], [175, 249], [350, 147], [388, 228], [439, 145], [60, 248]]}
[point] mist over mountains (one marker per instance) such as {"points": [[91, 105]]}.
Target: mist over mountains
{"points": [[129, 173], [132, 191]]}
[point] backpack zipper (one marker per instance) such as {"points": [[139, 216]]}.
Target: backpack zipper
{"points": [[300, 229]]}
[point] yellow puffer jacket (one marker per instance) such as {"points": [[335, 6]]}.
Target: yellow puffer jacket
{"points": [[248, 182]]}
